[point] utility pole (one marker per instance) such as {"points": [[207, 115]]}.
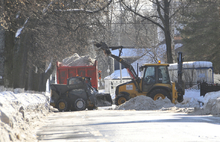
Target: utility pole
{"points": [[120, 41]]}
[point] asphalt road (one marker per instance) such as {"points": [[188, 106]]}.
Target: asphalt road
{"points": [[129, 126]]}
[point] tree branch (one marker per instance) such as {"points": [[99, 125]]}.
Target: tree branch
{"points": [[159, 12], [179, 9], [169, 1], [144, 17], [159, 5], [101, 8]]}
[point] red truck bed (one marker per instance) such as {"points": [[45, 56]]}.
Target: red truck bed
{"points": [[65, 72]]}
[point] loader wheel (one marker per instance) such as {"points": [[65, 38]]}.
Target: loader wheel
{"points": [[79, 104], [121, 99], [62, 105], [156, 94]]}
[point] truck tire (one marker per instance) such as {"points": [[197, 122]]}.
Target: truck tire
{"points": [[79, 104], [121, 99], [156, 94], [62, 105]]}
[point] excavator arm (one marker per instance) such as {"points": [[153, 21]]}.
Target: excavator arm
{"points": [[128, 66]]}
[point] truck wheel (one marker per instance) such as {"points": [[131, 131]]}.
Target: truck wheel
{"points": [[80, 104], [121, 99], [156, 94], [62, 105]]}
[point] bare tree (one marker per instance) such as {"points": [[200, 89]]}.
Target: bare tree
{"points": [[38, 32], [162, 18]]}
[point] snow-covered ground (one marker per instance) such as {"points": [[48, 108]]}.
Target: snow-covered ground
{"points": [[22, 112]]}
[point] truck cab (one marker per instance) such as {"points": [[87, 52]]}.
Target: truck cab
{"points": [[155, 75]]}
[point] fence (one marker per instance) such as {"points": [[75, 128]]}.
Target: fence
{"points": [[111, 84]]}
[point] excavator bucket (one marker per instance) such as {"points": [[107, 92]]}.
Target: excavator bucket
{"points": [[103, 100]]}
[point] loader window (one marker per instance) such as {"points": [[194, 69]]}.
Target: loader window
{"points": [[149, 76], [163, 76], [74, 81]]}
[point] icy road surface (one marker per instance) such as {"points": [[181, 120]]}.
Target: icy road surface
{"points": [[129, 126]]}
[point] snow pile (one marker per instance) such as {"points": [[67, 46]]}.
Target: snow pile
{"points": [[145, 103], [192, 103], [19, 113], [217, 78], [76, 60], [211, 104]]}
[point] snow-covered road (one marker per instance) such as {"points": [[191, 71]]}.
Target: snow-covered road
{"points": [[129, 126]]}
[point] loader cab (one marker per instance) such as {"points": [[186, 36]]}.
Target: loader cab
{"points": [[77, 82], [154, 75]]}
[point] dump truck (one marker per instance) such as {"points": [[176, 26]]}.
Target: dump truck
{"points": [[63, 72], [155, 82], [78, 94]]}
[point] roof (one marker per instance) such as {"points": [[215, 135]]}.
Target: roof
{"points": [[193, 64]]}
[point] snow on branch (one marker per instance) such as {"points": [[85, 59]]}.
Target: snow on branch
{"points": [[20, 29], [45, 9]]}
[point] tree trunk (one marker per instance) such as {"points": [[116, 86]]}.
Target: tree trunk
{"points": [[43, 79], [167, 31], [169, 47], [8, 54], [20, 60], [30, 78]]}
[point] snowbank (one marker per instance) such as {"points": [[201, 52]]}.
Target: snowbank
{"points": [[192, 103], [211, 104], [144, 103], [19, 112]]}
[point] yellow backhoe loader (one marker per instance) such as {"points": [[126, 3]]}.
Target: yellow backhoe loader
{"points": [[154, 83]]}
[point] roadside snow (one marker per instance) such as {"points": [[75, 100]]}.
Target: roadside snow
{"points": [[192, 103], [21, 113], [144, 103]]}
